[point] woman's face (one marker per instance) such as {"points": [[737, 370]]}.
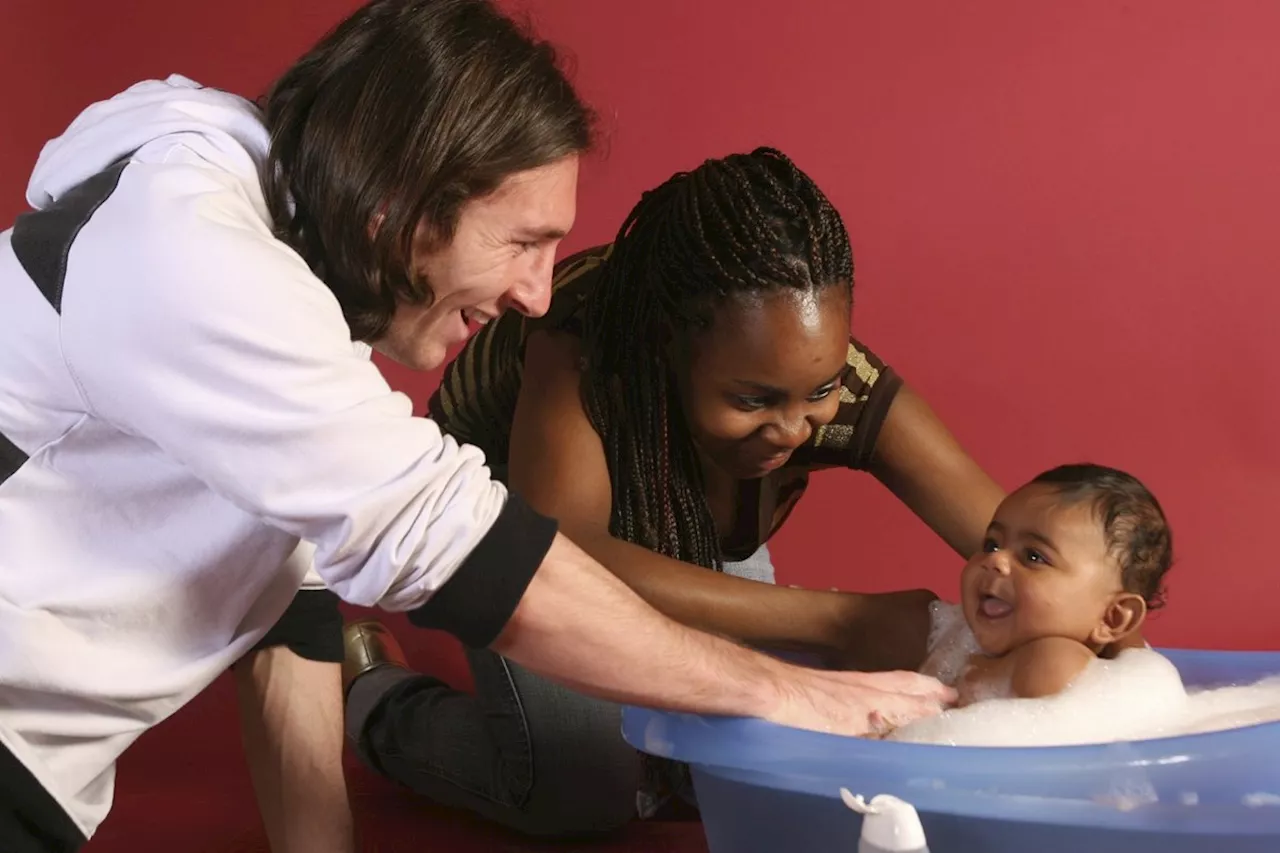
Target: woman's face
{"points": [[764, 376]]}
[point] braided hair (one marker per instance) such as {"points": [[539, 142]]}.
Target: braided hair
{"points": [[747, 224]]}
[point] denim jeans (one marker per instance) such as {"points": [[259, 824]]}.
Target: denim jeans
{"points": [[524, 752]]}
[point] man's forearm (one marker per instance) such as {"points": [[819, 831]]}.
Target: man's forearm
{"points": [[636, 655]]}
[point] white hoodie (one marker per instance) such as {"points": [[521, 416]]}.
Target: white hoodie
{"points": [[181, 405]]}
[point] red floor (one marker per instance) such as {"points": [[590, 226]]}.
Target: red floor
{"points": [[185, 787]]}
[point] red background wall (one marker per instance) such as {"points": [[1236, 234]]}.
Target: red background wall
{"points": [[1064, 222]]}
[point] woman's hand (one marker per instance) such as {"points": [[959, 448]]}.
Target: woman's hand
{"points": [[881, 632]]}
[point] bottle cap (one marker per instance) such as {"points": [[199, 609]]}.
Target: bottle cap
{"points": [[888, 824]]}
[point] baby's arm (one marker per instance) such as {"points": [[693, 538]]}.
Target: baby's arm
{"points": [[1039, 668]]}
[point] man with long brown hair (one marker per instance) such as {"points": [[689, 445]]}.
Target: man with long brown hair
{"points": [[191, 429]]}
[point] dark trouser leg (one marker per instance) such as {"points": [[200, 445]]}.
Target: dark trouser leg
{"points": [[523, 752], [31, 821]]}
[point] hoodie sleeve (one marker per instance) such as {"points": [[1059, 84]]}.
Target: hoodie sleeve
{"points": [[187, 323]]}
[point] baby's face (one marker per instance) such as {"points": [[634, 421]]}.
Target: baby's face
{"points": [[1043, 571]]}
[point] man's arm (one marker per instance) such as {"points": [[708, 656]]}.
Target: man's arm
{"points": [[291, 721], [579, 625]]}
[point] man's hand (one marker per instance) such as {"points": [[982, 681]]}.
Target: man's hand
{"points": [[858, 703]]}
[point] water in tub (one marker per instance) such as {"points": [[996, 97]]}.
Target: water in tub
{"points": [[1136, 696]]}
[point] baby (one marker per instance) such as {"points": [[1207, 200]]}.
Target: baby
{"points": [[1071, 564]]}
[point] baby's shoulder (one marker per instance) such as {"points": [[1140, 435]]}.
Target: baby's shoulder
{"points": [[1047, 666]]}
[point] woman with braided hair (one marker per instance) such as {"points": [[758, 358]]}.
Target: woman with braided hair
{"points": [[668, 411]]}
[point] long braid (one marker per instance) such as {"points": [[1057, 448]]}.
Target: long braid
{"points": [[748, 223]]}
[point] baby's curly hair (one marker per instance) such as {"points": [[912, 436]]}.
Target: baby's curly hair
{"points": [[1133, 523]]}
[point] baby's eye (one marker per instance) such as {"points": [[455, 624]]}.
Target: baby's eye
{"points": [[750, 404], [989, 545], [1034, 556]]}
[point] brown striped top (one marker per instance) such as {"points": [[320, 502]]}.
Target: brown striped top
{"points": [[476, 403]]}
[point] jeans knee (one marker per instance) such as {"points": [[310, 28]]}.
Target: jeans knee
{"points": [[599, 800]]}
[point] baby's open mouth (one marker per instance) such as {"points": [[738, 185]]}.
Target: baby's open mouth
{"points": [[994, 608]]}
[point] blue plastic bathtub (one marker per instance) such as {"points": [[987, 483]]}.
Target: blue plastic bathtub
{"points": [[768, 789]]}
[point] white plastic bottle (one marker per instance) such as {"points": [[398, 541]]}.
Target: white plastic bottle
{"points": [[889, 825]]}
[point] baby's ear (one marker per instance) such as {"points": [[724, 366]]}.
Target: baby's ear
{"points": [[1124, 616]]}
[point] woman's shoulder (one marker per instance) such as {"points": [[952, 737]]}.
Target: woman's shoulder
{"points": [[478, 394], [579, 263], [552, 355], [571, 283], [502, 346]]}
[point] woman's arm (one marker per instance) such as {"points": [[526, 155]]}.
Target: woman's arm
{"points": [[557, 463], [579, 625], [921, 462]]}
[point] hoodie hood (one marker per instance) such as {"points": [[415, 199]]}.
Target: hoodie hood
{"points": [[225, 129]]}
